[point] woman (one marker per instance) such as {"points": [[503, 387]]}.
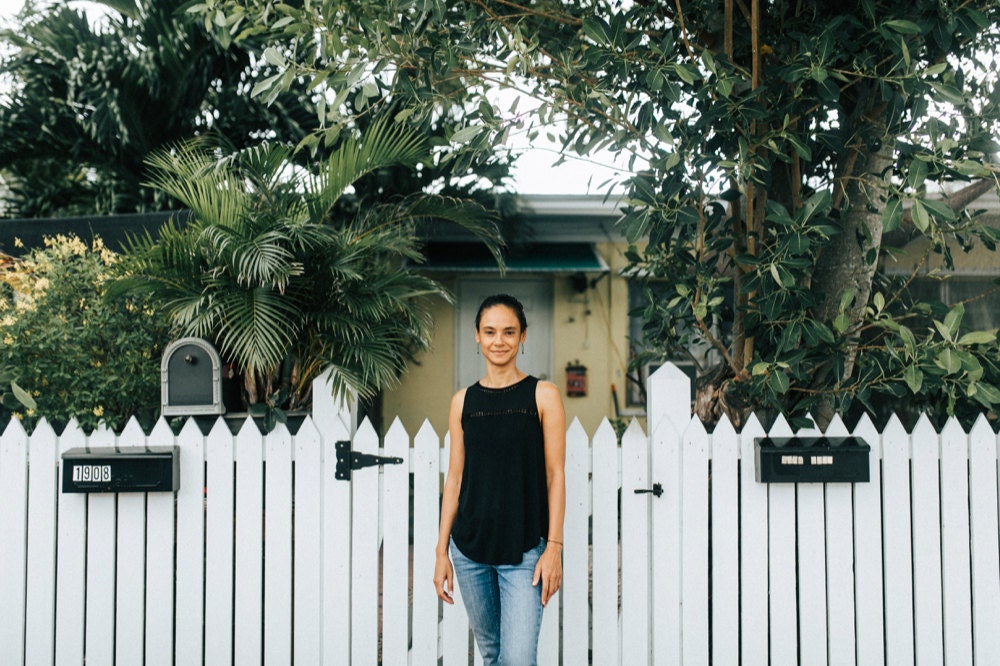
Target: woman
{"points": [[505, 494]]}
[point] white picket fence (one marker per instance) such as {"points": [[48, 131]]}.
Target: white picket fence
{"points": [[262, 556]]}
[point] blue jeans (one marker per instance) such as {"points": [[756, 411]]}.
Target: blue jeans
{"points": [[504, 608]]}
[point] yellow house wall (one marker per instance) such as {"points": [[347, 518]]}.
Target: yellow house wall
{"points": [[590, 327]]}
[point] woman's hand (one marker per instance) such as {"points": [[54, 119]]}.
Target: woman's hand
{"points": [[548, 571], [444, 578]]}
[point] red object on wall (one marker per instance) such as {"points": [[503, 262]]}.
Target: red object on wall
{"points": [[576, 380]]}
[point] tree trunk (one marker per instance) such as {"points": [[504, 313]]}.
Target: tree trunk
{"points": [[849, 262]]}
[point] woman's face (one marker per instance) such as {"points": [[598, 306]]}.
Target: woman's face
{"points": [[499, 334]]}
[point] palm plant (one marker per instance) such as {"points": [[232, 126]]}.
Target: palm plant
{"points": [[286, 284]]}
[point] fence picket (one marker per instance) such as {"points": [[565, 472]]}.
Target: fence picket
{"points": [[985, 552], [396, 547], [71, 572], [956, 563], [130, 570], [277, 602], [667, 391], [329, 416], [666, 546], [927, 620], [427, 475], [725, 545], [754, 537], [898, 540], [189, 605], [308, 553], [576, 549], [781, 523], [248, 607], [101, 538], [812, 567], [635, 513], [220, 473], [605, 546], [160, 565], [365, 552], [43, 497], [868, 553], [840, 563], [13, 521], [695, 554]]}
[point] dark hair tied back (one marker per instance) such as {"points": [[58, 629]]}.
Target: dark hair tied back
{"points": [[507, 301]]}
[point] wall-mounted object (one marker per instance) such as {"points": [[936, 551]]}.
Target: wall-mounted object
{"points": [[576, 380], [190, 379], [811, 459], [121, 470]]}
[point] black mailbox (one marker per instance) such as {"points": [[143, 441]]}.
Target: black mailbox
{"points": [[190, 379], [811, 459], [121, 470]]}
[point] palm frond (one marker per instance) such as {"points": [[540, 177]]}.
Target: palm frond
{"points": [[385, 143]]}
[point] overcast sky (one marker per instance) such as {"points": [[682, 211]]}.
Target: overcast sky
{"points": [[535, 173]]}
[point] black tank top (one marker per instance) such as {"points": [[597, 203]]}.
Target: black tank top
{"points": [[503, 507]]}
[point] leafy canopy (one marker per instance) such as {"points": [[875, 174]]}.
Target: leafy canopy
{"points": [[776, 149]]}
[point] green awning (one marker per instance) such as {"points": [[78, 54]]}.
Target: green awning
{"points": [[535, 258]]}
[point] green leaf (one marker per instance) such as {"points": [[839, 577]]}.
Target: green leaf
{"points": [[779, 382], [892, 214], [987, 394], [921, 220], [917, 174], [948, 360], [939, 209], [598, 30], [914, 378], [978, 338], [948, 93], [273, 57], [23, 396], [909, 341], [903, 27]]}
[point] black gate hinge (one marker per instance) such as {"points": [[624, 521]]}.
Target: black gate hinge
{"points": [[348, 460]]}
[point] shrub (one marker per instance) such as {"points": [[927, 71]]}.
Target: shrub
{"points": [[79, 354]]}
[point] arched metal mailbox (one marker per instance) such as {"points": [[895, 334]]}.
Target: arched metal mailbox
{"points": [[190, 379]]}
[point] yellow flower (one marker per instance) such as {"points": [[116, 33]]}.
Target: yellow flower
{"points": [[99, 411]]}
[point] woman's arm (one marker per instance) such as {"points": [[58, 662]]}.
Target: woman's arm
{"points": [[444, 577], [553, 416]]}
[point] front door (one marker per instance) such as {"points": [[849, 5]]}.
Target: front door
{"points": [[536, 296]]}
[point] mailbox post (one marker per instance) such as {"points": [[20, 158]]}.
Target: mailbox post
{"points": [[811, 460]]}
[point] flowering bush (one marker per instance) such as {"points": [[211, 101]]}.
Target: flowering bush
{"points": [[79, 355]]}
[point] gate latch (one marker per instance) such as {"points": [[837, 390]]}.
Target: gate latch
{"points": [[656, 490], [348, 460]]}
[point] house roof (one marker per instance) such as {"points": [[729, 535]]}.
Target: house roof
{"points": [[532, 258], [114, 230]]}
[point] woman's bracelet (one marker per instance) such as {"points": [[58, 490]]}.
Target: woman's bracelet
{"points": [[554, 541]]}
